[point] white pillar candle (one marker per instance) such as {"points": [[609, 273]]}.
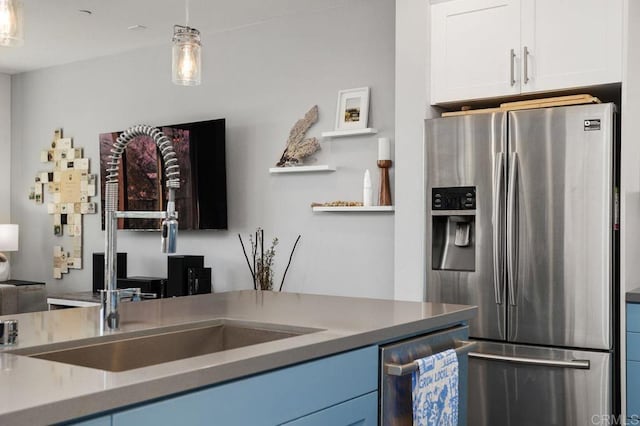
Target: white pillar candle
{"points": [[384, 149]]}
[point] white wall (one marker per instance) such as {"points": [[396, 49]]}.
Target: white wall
{"points": [[5, 148], [412, 100], [260, 78], [629, 169]]}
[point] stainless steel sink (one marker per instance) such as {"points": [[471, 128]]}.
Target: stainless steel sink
{"points": [[129, 352]]}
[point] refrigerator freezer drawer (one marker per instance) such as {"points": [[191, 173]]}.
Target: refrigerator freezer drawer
{"points": [[532, 386]]}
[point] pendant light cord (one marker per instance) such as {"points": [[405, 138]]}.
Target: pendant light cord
{"points": [[186, 12]]}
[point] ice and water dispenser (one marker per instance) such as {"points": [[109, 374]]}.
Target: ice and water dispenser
{"points": [[453, 212]]}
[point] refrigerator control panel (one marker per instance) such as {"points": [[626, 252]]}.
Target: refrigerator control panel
{"points": [[453, 198]]}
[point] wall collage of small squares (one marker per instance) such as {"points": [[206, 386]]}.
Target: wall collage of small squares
{"points": [[70, 187]]}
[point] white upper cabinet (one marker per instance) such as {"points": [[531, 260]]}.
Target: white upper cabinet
{"points": [[495, 48], [570, 43], [471, 46]]}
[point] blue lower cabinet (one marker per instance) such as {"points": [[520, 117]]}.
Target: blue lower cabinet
{"points": [[270, 398], [633, 362], [361, 411]]}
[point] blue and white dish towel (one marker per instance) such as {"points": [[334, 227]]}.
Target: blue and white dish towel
{"points": [[435, 390]]}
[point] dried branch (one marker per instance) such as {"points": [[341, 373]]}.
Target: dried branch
{"points": [[289, 263], [253, 275]]}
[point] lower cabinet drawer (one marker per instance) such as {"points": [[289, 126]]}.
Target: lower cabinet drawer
{"points": [[633, 317], [266, 399], [633, 346], [361, 411], [633, 389]]}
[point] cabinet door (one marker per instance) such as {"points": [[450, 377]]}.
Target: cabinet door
{"points": [[633, 389], [265, 399], [361, 411], [571, 43], [471, 45]]}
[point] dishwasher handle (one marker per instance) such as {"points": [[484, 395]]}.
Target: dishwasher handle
{"points": [[462, 347]]}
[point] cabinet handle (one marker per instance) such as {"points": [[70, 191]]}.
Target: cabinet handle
{"points": [[512, 60], [525, 58]]}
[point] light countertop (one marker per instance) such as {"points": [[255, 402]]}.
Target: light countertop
{"points": [[35, 391]]}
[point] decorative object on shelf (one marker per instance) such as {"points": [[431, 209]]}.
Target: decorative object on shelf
{"points": [[8, 242], [71, 188], [262, 267], [367, 191], [186, 63], [298, 148], [353, 109], [384, 163], [11, 25], [338, 203]]}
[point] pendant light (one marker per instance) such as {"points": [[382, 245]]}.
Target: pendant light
{"points": [[186, 55], [11, 29]]}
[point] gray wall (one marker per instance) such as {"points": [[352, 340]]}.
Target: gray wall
{"points": [[260, 78]]}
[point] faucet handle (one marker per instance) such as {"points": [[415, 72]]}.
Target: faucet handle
{"points": [[136, 294], [133, 292]]}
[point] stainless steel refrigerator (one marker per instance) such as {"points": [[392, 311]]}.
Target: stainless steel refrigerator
{"points": [[522, 222]]}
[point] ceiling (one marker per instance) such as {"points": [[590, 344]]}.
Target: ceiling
{"points": [[56, 32]]}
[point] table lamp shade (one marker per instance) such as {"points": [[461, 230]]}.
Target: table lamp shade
{"points": [[8, 237]]}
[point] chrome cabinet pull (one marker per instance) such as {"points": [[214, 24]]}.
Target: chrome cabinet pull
{"points": [[512, 273], [525, 58], [498, 261], [580, 364], [462, 347], [512, 60]]}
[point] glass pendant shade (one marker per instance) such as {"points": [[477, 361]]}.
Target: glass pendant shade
{"points": [[11, 28], [186, 56]]}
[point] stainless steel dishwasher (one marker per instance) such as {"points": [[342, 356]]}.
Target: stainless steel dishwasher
{"points": [[397, 364]]}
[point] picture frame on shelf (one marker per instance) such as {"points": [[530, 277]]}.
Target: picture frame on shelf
{"points": [[352, 111]]}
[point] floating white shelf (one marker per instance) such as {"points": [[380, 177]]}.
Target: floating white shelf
{"points": [[355, 209], [356, 132], [303, 169]]}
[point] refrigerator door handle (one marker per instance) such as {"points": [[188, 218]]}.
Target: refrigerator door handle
{"points": [[498, 258], [511, 228], [580, 364]]}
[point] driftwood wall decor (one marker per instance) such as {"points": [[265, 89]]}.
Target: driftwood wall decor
{"points": [[70, 187]]}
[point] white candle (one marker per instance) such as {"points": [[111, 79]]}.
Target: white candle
{"points": [[384, 149]]}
